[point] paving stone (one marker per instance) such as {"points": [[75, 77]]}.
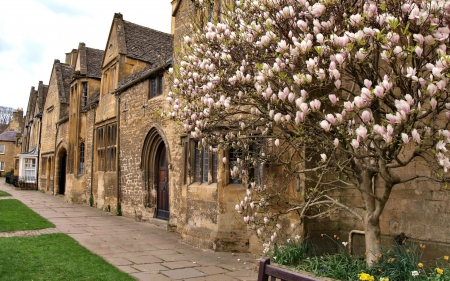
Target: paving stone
{"points": [[217, 277], [150, 267], [179, 264], [142, 276], [144, 259], [212, 270], [127, 269], [183, 273], [118, 261]]}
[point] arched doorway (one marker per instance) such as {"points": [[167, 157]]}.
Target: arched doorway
{"points": [[62, 172], [162, 184], [155, 163]]}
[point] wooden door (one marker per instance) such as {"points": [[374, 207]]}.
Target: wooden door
{"points": [[62, 174], [162, 184]]}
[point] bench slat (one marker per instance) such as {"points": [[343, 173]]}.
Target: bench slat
{"points": [[266, 270]]}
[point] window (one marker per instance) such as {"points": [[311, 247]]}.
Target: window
{"points": [[2, 149], [82, 158], [44, 166], [205, 163], [234, 156], [211, 11], [30, 169], [106, 147], [2, 166], [156, 86], [255, 171], [84, 95]]}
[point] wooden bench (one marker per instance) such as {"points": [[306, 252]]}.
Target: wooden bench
{"points": [[276, 273]]}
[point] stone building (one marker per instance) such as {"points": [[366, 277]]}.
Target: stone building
{"points": [[130, 49], [10, 142], [54, 130], [84, 88], [31, 135]]}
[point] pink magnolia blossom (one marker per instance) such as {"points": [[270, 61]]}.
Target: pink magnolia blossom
{"points": [[315, 104], [333, 98], [405, 138], [324, 157], [433, 103], [361, 131], [355, 143], [415, 136], [330, 118], [336, 142], [366, 116], [325, 125]]}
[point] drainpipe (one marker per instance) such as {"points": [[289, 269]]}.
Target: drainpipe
{"points": [[39, 150], [55, 156], [118, 153], [92, 151]]}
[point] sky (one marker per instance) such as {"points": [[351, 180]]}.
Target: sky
{"points": [[33, 33]]}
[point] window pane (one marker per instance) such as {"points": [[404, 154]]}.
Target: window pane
{"points": [[198, 164], [154, 87], [205, 165], [214, 167], [2, 149], [84, 94], [234, 155], [2, 166], [160, 85]]}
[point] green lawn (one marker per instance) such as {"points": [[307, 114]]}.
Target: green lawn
{"points": [[14, 215], [52, 257], [3, 193]]}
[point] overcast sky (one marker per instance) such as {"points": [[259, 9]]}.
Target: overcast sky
{"points": [[33, 33]]}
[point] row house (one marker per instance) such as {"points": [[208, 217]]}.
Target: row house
{"points": [[10, 143], [97, 135]]}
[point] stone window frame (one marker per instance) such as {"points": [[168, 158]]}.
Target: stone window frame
{"points": [[155, 86], [2, 148]]}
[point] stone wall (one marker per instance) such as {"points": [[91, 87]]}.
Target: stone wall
{"points": [[8, 156]]}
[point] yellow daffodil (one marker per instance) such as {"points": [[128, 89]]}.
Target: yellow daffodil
{"points": [[420, 265], [446, 258], [384, 279], [366, 277], [439, 270]]}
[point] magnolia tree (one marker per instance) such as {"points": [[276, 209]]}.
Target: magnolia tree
{"points": [[334, 92]]}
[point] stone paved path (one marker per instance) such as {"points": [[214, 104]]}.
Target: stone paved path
{"points": [[144, 250]]}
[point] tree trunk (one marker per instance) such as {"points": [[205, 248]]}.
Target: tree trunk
{"points": [[372, 238], [371, 218]]}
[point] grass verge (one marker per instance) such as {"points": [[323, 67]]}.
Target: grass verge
{"points": [[4, 193], [52, 257], [17, 216]]}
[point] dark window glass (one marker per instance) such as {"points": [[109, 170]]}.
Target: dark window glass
{"points": [[82, 158], [84, 95]]}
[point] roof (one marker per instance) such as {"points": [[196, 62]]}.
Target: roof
{"points": [[9, 136], [94, 62], [3, 127], [41, 96], [146, 44], [63, 74]]}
